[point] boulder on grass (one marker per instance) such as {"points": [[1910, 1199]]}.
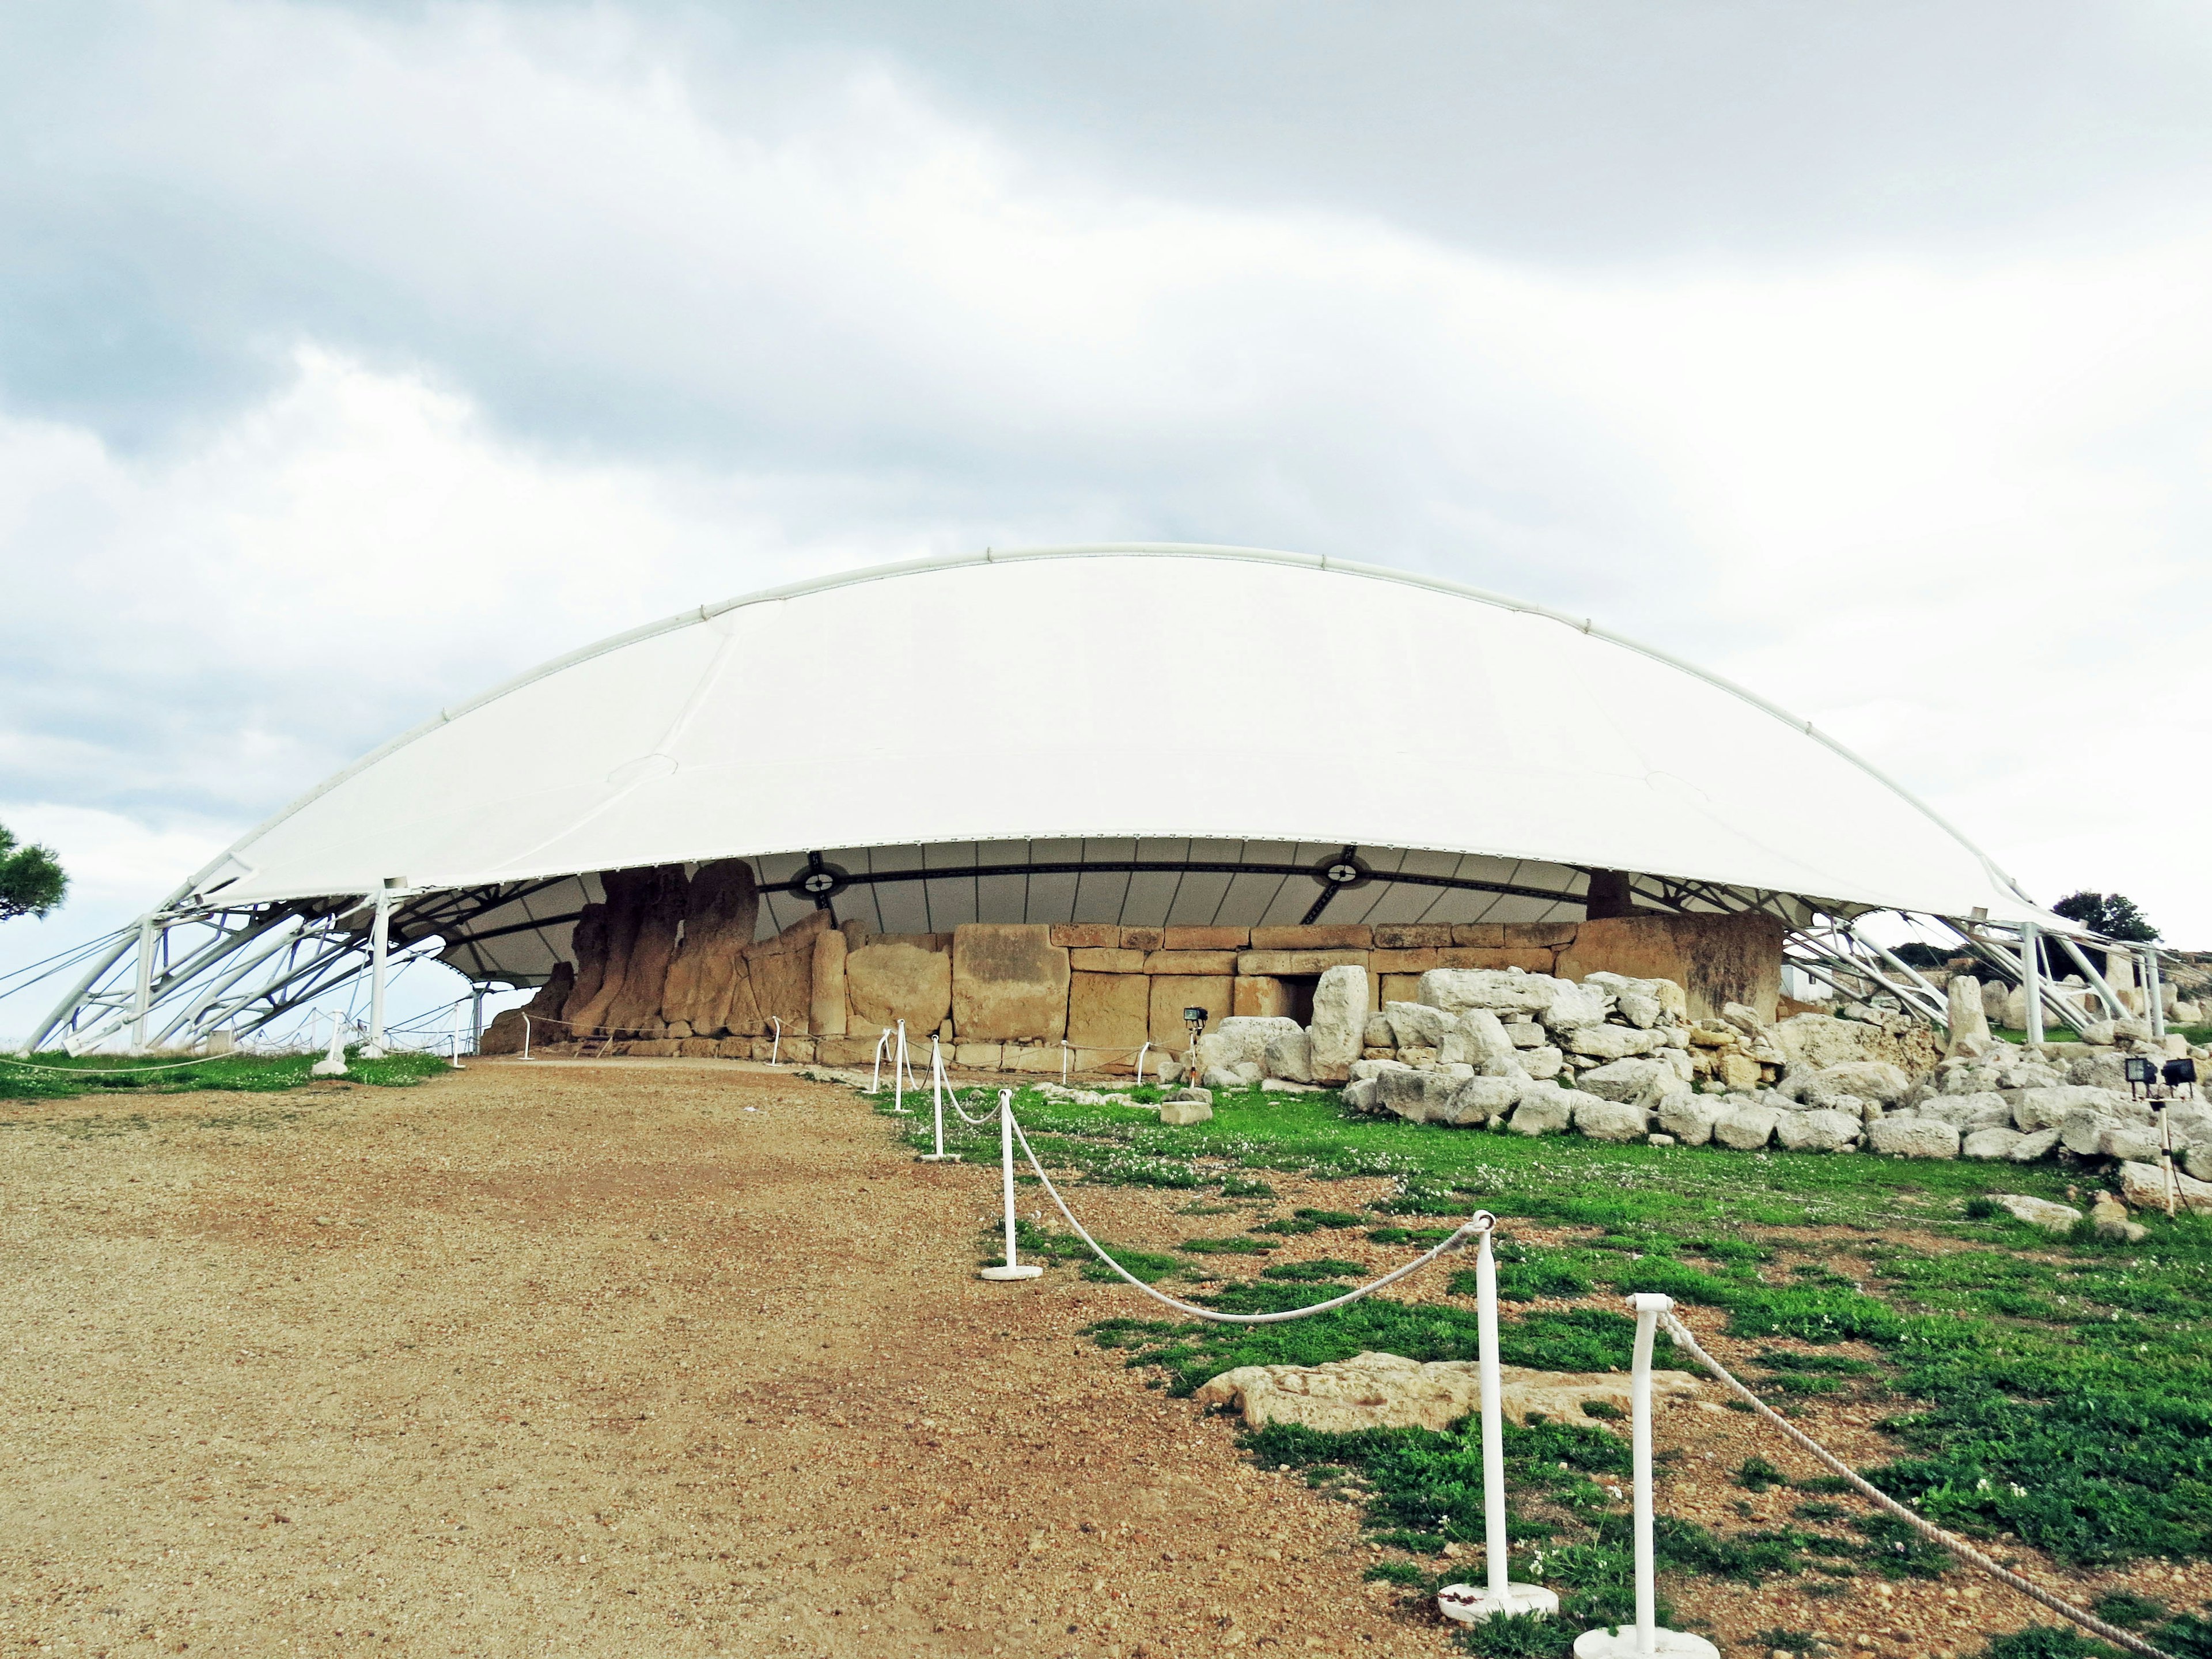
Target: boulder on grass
{"points": [[1993, 1142], [1611, 1120], [1385, 1391], [1339, 1022], [1690, 1118], [1913, 1137], [1816, 1131], [2143, 1186], [1747, 1127], [1966, 1112], [1479, 1099], [1544, 1109], [2029, 1148], [1628, 1079], [2058, 1218]]}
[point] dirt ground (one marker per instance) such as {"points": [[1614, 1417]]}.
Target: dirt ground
{"points": [[657, 1358]]}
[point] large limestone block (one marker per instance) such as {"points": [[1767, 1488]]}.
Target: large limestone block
{"points": [[1912, 1137], [1099, 960], [1340, 1023], [1086, 935], [2142, 1186], [1738, 1071], [1629, 1079], [1666, 992], [1747, 1127], [2049, 1109], [978, 1056], [1612, 1120], [1260, 997], [1967, 1112], [1206, 938], [859, 1049], [1815, 1042], [741, 1013], [1573, 1007], [782, 972], [636, 1006], [2031, 1147], [588, 944], [1969, 1021], [1690, 1118], [1477, 1038], [886, 982], [1867, 1080], [1405, 961], [1009, 980], [1109, 1010], [1386, 1391], [1816, 1131], [1326, 936], [1415, 1025], [1297, 962], [1418, 1097], [826, 1009], [1289, 1055], [1612, 1042], [1455, 990], [1991, 1141], [1190, 962], [1243, 1038], [1716, 959], [1479, 1099], [1545, 1109], [1412, 935], [1396, 988], [721, 911], [1172, 994]]}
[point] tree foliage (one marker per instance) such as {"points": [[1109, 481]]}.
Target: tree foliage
{"points": [[32, 882], [2112, 914]]}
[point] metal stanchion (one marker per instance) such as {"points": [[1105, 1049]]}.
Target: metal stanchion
{"points": [[899, 1069], [1013, 1269], [775, 1048], [938, 1083], [332, 1064], [1647, 1638], [1463, 1603]]}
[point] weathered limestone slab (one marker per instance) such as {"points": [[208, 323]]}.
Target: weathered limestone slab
{"points": [[782, 972], [1106, 960], [1480, 934], [1912, 1137], [588, 945], [1716, 959], [1109, 1010], [1612, 1120], [1260, 997], [1405, 961], [1324, 937], [1206, 938], [2038, 1212], [1817, 1131], [1086, 935], [1009, 980], [1412, 935], [1172, 994], [858, 1049], [1969, 1021], [1547, 1111], [1340, 1023], [1190, 962], [2142, 1185], [1415, 1024], [1747, 1127], [887, 982], [825, 1010], [1612, 1042], [1385, 1391], [1288, 1056], [1690, 1118], [1991, 1141], [1279, 962], [1142, 938], [1629, 1079], [978, 1056], [1455, 990]]}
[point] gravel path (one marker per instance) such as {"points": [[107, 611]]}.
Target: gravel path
{"points": [[634, 1359]]}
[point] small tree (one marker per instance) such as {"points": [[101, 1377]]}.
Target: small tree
{"points": [[2112, 914], [31, 878]]}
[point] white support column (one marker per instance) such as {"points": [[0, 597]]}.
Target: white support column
{"points": [[2031, 979], [380, 940], [476, 1021], [142, 995], [1648, 1638], [2154, 992]]}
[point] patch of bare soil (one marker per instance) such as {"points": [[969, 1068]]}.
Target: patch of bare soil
{"points": [[595, 1359]]}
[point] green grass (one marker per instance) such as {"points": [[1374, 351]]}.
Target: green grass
{"points": [[113, 1075], [2057, 1393]]}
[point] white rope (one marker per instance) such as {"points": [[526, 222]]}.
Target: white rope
{"points": [[1467, 1232], [2089, 1621], [102, 1071], [953, 1095]]}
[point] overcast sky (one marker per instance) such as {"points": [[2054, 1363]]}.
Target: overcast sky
{"points": [[352, 358]]}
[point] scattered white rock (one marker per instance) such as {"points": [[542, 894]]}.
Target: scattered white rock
{"points": [[2038, 1212], [1386, 1391], [1913, 1137], [1816, 1131]]}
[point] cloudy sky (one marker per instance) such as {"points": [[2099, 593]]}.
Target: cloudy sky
{"points": [[354, 357]]}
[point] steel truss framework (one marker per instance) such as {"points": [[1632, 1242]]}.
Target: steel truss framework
{"points": [[183, 973]]}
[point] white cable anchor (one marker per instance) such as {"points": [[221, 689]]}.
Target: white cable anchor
{"points": [[1013, 1269], [1463, 1603], [1648, 1638], [332, 1064]]}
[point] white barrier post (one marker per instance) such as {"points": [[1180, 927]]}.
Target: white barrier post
{"points": [[333, 1063], [1648, 1638], [1013, 1269], [899, 1073], [526, 1036], [456, 1038], [1462, 1602], [938, 1083], [1141, 1053], [379, 952], [875, 1076], [1065, 1052], [775, 1048]]}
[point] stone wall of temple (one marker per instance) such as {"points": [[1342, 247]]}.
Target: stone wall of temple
{"points": [[668, 965]]}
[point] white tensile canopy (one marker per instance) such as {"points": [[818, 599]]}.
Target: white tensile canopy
{"points": [[1096, 698]]}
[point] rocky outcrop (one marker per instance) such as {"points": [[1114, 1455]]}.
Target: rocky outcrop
{"points": [[660, 901], [1386, 1391], [504, 1035]]}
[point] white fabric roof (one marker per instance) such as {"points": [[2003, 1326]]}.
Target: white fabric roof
{"points": [[1139, 692]]}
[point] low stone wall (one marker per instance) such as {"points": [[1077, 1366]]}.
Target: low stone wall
{"points": [[669, 964]]}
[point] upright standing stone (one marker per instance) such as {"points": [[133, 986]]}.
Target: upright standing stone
{"points": [[1340, 1023], [891, 980], [660, 919], [826, 1008], [1969, 1019], [1009, 980], [782, 974], [627, 892], [721, 913]]}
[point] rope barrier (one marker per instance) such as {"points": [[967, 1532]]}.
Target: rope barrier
{"points": [[2088, 1621], [1466, 1233], [102, 1071]]}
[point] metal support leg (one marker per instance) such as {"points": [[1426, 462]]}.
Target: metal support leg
{"points": [[380, 940], [142, 998], [2031, 979]]}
